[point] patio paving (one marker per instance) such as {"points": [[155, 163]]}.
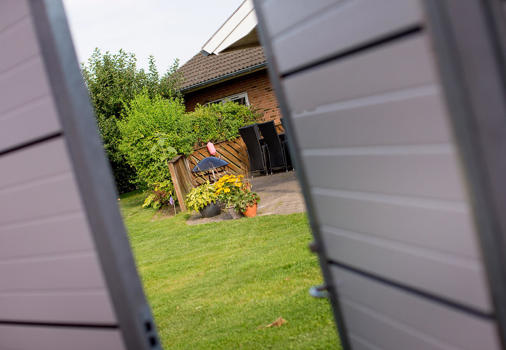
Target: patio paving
{"points": [[279, 194]]}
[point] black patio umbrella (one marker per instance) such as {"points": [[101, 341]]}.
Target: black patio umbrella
{"points": [[209, 163]]}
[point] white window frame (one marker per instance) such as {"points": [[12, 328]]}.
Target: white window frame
{"points": [[230, 98]]}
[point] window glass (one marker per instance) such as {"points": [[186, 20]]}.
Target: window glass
{"points": [[241, 99]]}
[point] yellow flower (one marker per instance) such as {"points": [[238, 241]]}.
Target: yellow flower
{"points": [[227, 190]]}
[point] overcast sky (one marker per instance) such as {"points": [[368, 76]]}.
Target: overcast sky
{"points": [[167, 29]]}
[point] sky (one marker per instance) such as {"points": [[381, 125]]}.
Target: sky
{"points": [[166, 29]]}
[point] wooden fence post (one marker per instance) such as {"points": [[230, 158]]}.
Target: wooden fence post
{"points": [[181, 178]]}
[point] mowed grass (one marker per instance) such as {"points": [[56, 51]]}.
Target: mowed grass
{"points": [[217, 285]]}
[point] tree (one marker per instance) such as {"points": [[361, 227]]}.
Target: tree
{"points": [[113, 80]]}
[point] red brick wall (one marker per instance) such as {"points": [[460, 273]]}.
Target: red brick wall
{"points": [[257, 85]]}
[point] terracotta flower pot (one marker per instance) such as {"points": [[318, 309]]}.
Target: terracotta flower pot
{"points": [[251, 211]]}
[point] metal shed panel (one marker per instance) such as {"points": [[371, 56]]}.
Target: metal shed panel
{"points": [[284, 14], [26, 109], [430, 171], [401, 64], [12, 11], [59, 338], [445, 276], [317, 37], [382, 176], [441, 226], [452, 327], [409, 117], [68, 277]]}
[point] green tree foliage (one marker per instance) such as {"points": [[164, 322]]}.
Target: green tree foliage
{"points": [[114, 80]]}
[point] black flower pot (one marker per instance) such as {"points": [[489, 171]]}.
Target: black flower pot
{"points": [[210, 210]]}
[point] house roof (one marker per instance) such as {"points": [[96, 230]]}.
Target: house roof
{"points": [[238, 31], [202, 70]]}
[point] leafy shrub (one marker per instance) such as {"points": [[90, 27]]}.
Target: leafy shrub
{"points": [[201, 196], [153, 131], [160, 196], [220, 122], [112, 81]]}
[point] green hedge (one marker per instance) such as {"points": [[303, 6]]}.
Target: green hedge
{"points": [[220, 122]]}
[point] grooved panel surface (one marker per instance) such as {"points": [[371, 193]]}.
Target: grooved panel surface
{"points": [[403, 312], [11, 12], [409, 117], [442, 226], [12, 52], [26, 109], [386, 180], [58, 338], [23, 84], [48, 265], [304, 34], [68, 279], [425, 172], [285, 14], [88, 306], [443, 275], [35, 119], [375, 71], [363, 96]]}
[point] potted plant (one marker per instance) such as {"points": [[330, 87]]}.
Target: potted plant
{"points": [[227, 187], [204, 200], [246, 202]]}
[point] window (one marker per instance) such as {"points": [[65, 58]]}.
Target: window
{"points": [[241, 99]]}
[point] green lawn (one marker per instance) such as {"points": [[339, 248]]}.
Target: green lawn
{"points": [[216, 286]]}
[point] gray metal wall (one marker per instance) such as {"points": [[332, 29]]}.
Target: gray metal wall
{"points": [[388, 200], [60, 279]]}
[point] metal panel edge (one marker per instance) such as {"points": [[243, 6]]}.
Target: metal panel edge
{"points": [[93, 175], [477, 108], [295, 154]]}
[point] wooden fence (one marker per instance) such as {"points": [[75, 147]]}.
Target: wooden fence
{"points": [[234, 152], [182, 179]]}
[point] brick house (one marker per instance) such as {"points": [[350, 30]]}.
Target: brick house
{"points": [[239, 76]]}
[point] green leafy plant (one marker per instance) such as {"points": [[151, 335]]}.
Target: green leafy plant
{"points": [[153, 132], [155, 129], [235, 192], [113, 80], [220, 122], [201, 196], [244, 199], [160, 196], [228, 186]]}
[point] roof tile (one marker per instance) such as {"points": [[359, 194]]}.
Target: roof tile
{"points": [[200, 68]]}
